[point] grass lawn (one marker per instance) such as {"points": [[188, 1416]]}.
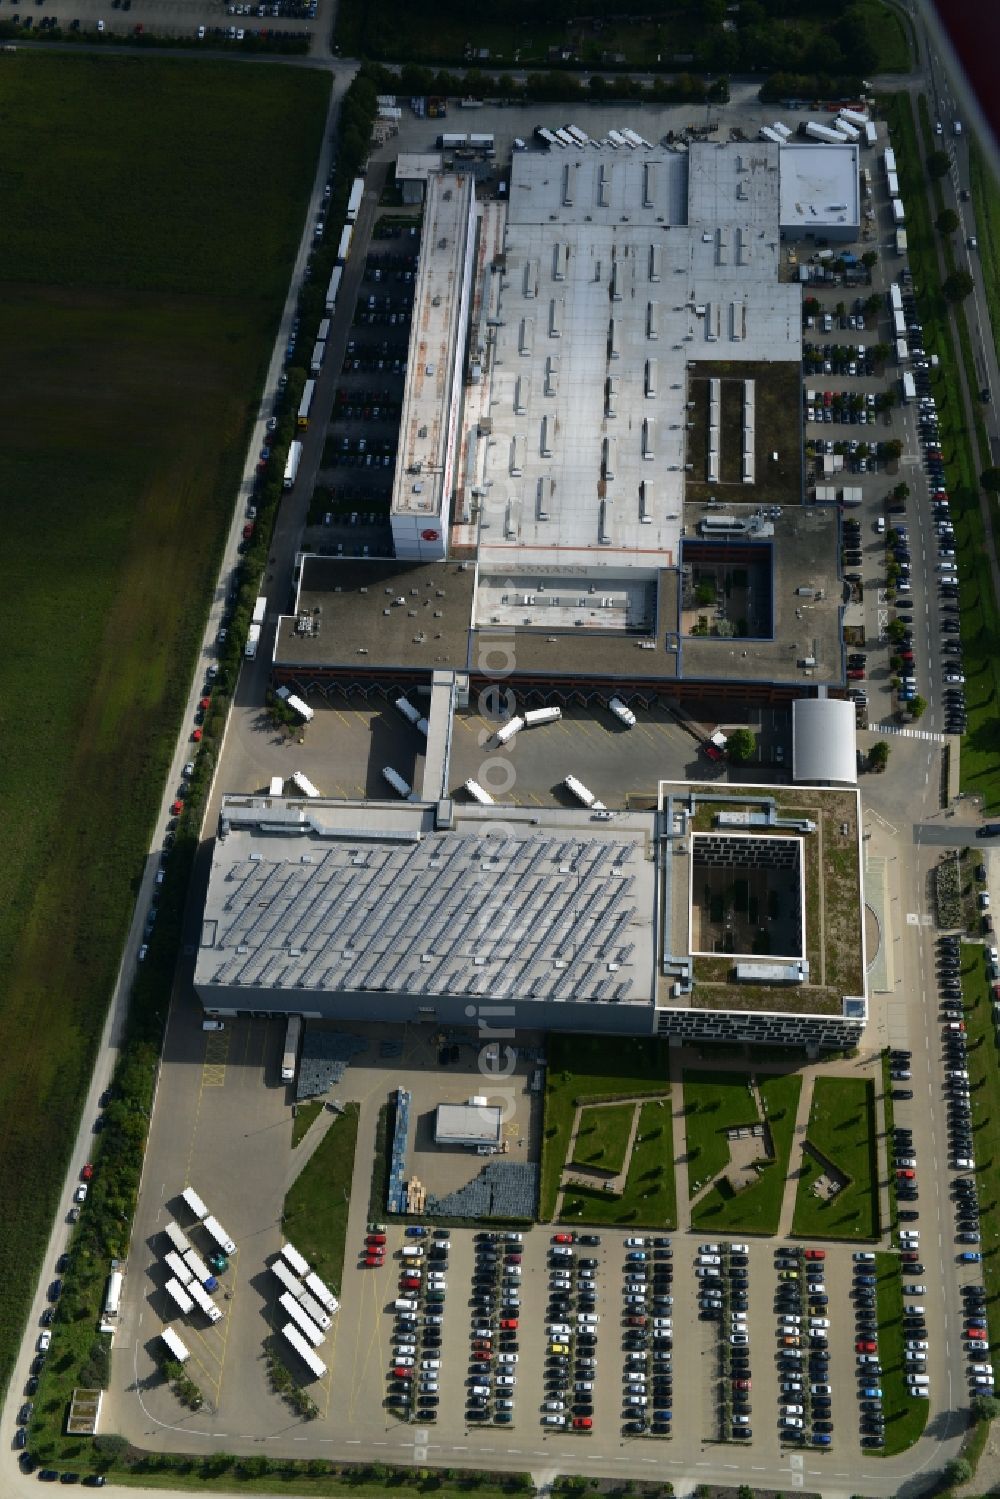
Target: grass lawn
{"points": [[650, 1196], [142, 287], [757, 1209], [905, 1418], [304, 1116], [713, 1103], [591, 1067], [602, 1137], [315, 1213], [842, 1126], [257, 1475], [889, 1110], [980, 616], [984, 1082]]}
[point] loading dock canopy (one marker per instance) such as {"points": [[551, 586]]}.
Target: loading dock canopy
{"points": [[823, 742]]}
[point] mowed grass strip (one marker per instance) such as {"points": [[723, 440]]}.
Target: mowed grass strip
{"points": [[315, 1212], [842, 1127], [905, 1418], [143, 279], [650, 1196], [757, 1209], [591, 1067], [602, 1137], [984, 1084]]}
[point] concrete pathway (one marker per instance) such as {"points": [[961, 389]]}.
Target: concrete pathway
{"points": [[591, 1176], [795, 1156], [680, 1138]]}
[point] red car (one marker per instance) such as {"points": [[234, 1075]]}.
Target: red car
{"points": [[815, 1254], [508, 1324], [195, 736], [582, 1423], [375, 1239], [400, 1373], [904, 1173], [87, 1172], [910, 1256], [512, 1259], [742, 1384], [373, 1262], [866, 1345], [636, 1320], [711, 750], [204, 703], [248, 530], [410, 1283], [856, 674], [562, 1238], [176, 807]]}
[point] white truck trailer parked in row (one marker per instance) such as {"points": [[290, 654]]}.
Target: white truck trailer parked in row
{"points": [[305, 1324], [177, 1350], [478, 794], [213, 1227], [322, 1292], [292, 465], [178, 1294], [288, 1280], [302, 783], [259, 609], [318, 356], [396, 781], [202, 1299], [178, 1238], [194, 1203], [824, 133], [200, 1271], [414, 715], [537, 716], [295, 703], [312, 1309], [506, 731], [289, 1061], [253, 641], [178, 1268], [580, 791], [622, 713], [315, 1365], [333, 287], [298, 1262], [354, 201]]}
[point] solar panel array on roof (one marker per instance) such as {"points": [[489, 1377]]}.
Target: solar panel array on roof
{"points": [[503, 1189], [537, 916]]}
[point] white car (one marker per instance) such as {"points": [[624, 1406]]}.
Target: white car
{"points": [[556, 1330], [709, 1259], [635, 1243], [740, 1248], [792, 1410], [666, 1323], [915, 1344], [507, 1380], [795, 1423], [820, 1389], [790, 1319], [506, 1358], [791, 1387], [705, 1248], [863, 1256], [80, 1195], [914, 1233], [914, 1290], [554, 1405], [587, 1319], [44, 1339], [406, 1361], [413, 1252], [554, 1420], [430, 1363], [561, 1252]]}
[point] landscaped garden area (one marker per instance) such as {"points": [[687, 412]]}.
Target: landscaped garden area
{"points": [[837, 1195]]}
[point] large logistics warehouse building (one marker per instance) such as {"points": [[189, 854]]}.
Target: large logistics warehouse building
{"points": [[601, 427]]}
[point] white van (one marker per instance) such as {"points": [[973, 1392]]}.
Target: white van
{"points": [[213, 1025], [918, 1379]]}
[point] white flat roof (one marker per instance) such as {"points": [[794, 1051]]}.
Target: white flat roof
{"points": [[606, 296], [478, 1124], [433, 348], [417, 166], [820, 187]]}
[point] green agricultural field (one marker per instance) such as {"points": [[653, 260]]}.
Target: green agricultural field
{"points": [[650, 1196], [591, 1067], [145, 246], [757, 1209], [315, 1213], [842, 1126]]}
